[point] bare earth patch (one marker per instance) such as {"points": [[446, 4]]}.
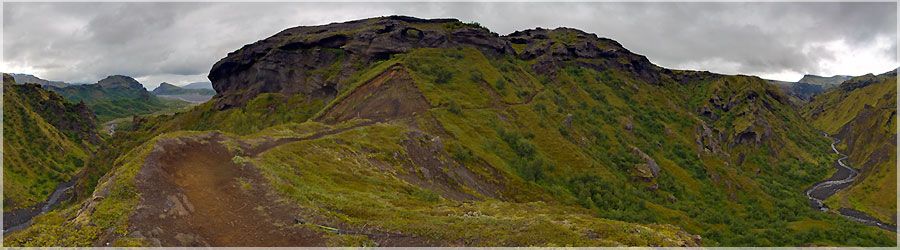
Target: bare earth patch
{"points": [[192, 194]]}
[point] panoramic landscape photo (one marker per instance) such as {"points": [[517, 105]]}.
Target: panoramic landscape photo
{"points": [[449, 124]]}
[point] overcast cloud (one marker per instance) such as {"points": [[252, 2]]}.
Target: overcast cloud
{"points": [[179, 42]]}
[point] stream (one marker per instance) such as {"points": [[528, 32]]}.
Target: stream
{"points": [[837, 182], [21, 218], [112, 128]]}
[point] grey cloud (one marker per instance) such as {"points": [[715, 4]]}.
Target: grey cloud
{"points": [[83, 42]]}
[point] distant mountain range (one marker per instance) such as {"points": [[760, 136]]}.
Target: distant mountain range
{"points": [[110, 88], [825, 82], [808, 86], [115, 97], [197, 94], [26, 78], [169, 89], [199, 85]]}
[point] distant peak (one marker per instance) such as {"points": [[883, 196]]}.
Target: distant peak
{"points": [[119, 81]]}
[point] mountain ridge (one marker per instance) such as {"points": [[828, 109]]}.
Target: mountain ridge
{"points": [[826, 82], [26, 78], [399, 131], [169, 89], [116, 96], [198, 85]]}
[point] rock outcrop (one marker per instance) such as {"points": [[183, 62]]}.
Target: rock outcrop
{"points": [[318, 61], [562, 47], [648, 170], [294, 60]]}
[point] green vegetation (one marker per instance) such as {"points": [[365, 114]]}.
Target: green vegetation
{"points": [[337, 176], [119, 108], [862, 112], [45, 142], [107, 214], [117, 97], [263, 111], [504, 156]]}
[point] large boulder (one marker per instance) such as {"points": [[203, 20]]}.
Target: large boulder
{"points": [[648, 170]]}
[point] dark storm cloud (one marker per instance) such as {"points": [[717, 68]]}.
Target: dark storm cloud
{"points": [[179, 42]]}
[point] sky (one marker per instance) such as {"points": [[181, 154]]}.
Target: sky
{"points": [[179, 42]]}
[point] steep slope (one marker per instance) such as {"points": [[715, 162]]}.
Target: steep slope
{"points": [[862, 113], [116, 97], [399, 131], [46, 139]]}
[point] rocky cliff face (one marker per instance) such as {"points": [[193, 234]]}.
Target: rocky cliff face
{"points": [[563, 47], [739, 114], [296, 60], [318, 60]]}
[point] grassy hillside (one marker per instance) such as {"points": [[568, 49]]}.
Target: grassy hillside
{"points": [[457, 146], [359, 192], [46, 139], [119, 108], [862, 113], [117, 97]]}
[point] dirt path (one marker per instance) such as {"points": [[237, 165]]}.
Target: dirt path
{"points": [[194, 195], [266, 146]]}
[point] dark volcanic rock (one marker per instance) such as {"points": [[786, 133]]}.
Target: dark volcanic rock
{"points": [[291, 62], [318, 61], [562, 47]]}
